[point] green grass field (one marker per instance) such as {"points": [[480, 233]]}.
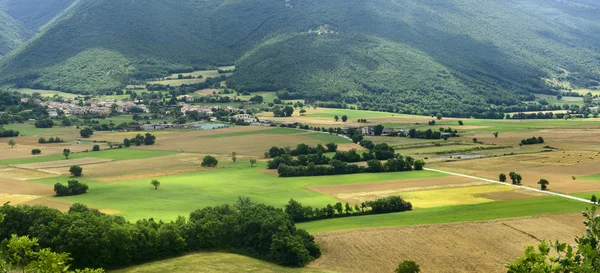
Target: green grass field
{"points": [[28, 129], [115, 154], [214, 263], [328, 138], [181, 194], [516, 125], [595, 177], [451, 214], [352, 114], [46, 93]]}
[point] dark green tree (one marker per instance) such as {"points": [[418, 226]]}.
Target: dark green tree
{"points": [[543, 184], [209, 161], [76, 170], [408, 267]]}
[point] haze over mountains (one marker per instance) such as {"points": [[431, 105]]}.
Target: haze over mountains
{"points": [[410, 56]]}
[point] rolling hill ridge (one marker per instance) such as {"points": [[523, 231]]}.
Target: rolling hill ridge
{"points": [[457, 57]]}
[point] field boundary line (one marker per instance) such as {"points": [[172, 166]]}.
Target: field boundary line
{"points": [[515, 186]]}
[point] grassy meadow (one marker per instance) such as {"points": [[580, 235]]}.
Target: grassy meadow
{"points": [[114, 154], [182, 193]]}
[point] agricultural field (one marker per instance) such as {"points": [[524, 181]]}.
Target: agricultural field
{"points": [[214, 263], [119, 181], [46, 93], [173, 80]]}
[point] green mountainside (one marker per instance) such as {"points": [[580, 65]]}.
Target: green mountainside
{"points": [[12, 34], [34, 14], [412, 56]]}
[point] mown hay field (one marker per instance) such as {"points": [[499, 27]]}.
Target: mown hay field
{"points": [[450, 248], [214, 263]]}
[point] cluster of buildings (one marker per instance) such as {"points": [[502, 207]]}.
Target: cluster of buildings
{"points": [[102, 107], [368, 130]]}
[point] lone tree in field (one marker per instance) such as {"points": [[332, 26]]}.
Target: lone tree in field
{"points": [[302, 112], [594, 199], [496, 135], [96, 148], [336, 118], [543, 184], [344, 118], [155, 183], [66, 153], [502, 177], [76, 170], [474, 140], [460, 122], [87, 132], [234, 157], [252, 162], [36, 151], [209, 161], [12, 143], [408, 267]]}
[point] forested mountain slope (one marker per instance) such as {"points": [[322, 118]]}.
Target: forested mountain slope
{"points": [[34, 14], [12, 34], [413, 56]]}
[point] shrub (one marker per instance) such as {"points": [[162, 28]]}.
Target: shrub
{"points": [[76, 170], [36, 151], [96, 148], [209, 161], [74, 188]]}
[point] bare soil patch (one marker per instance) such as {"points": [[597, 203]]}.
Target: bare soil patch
{"points": [[12, 186], [462, 247], [51, 202], [558, 167], [149, 174], [21, 174], [63, 163], [16, 199]]}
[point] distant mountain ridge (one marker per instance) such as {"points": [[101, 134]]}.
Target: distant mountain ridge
{"points": [[457, 57], [12, 34]]}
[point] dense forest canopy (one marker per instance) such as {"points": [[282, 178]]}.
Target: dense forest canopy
{"points": [[458, 57]]}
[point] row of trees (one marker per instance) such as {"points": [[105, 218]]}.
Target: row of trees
{"points": [[516, 179], [139, 140], [431, 134], [337, 167], [44, 123], [301, 149], [98, 240], [43, 140], [300, 213], [8, 133], [286, 111], [532, 141], [301, 160], [73, 187]]}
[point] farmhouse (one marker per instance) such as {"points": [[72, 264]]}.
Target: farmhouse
{"points": [[147, 127], [245, 117], [367, 131], [346, 129], [387, 131]]}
